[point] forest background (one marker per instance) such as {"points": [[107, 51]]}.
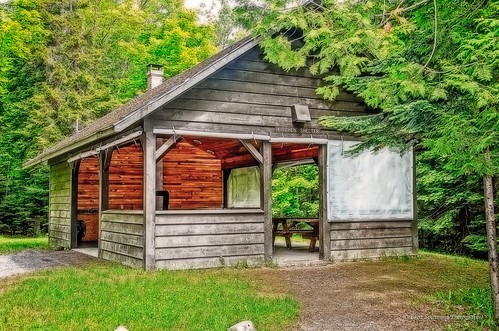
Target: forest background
{"points": [[65, 63]]}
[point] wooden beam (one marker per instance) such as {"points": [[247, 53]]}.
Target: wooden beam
{"points": [[225, 178], [220, 135], [104, 163], [115, 143], [249, 146], [305, 141], [166, 147], [75, 169], [414, 223], [266, 197], [149, 197], [324, 226]]}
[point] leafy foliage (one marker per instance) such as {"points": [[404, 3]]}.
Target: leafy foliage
{"points": [[66, 62], [295, 191], [431, 70]]}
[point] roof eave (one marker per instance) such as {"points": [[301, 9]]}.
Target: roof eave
{"points": [[80, 143]]}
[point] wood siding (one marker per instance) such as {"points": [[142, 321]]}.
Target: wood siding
{"points": [[60, 205], [126, 174], [364, 240], [88, 197], [251, 95], [205, 240], [122, 237], [193, 178]]}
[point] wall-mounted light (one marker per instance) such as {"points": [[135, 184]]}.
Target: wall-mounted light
{"points": [[300, 114]]}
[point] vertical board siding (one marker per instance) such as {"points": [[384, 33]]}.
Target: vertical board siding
{"points": [[193, 178], [251, 95], [122, 238], [60, 205], [206, 241], [88, 197], [376, 239], [126, 174]]}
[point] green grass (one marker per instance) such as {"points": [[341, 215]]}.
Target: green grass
{"points": [[16, 244], [103, 296]]}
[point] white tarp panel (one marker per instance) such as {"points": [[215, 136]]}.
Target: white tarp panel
{"points": [[369, 186], [244, 188]]}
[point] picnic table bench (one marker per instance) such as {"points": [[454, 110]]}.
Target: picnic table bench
{"points": [[288, 227]]}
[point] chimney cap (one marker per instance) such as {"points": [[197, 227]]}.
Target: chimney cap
{"points": [[154, 66]]}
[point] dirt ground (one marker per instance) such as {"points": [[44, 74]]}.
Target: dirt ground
{"points": [[384, 295], [360, 296]]}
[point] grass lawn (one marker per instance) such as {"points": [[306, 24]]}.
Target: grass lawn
{"points": [[102, 296], [15, 244]]}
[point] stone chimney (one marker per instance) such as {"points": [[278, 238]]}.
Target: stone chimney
{"points": [[154, 75]]}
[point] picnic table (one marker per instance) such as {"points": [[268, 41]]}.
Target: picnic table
{"points": [[287, 226]]}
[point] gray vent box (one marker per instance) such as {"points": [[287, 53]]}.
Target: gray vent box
{"points": [[300, 114]]}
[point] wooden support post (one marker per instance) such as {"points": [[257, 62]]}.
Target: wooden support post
{"points": [[75, 169], [159, 175], [266, 197], [414, 223], [225, 177], [104, 163], [149, 209], [324, 226]]}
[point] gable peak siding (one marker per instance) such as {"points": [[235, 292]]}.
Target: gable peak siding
{"points": [[251, 95]]}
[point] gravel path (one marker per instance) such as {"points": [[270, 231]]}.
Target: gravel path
{"points": [[32, 260]]}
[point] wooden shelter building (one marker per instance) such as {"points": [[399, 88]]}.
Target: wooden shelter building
{"points": [[168, 179]]}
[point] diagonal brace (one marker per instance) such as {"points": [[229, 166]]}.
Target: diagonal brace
{"points": [[166, 147], [253, 151]]}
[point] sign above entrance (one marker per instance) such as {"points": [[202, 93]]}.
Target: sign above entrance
{"points": [[292, 129]]}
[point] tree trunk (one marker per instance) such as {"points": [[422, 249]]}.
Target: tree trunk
{"points": [[491, 239]]}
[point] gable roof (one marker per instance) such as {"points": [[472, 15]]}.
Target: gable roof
{"points": [[124, 117]]}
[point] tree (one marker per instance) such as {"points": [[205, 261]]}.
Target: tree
{"points": [[62, 62], [430, 68]]}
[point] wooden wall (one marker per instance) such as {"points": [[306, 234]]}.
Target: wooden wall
{"points": [[208, 239], [193, 178], [88, 197], [251, 95], [60, 205], [122, 237], [364, 240], [126, 174]]}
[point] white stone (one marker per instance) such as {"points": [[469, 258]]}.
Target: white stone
{"points": [[243, 326], [121, 328]]}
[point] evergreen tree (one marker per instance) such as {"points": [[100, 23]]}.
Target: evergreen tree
{"points": [[431, 68]]}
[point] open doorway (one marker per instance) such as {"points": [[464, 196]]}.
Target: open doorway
{"points": [[296, 204], [87, 215]]}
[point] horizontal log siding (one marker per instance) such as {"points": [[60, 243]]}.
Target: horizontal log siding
{"points": [[126, 173], [88, 197], [60, 205], [251, 95], [365, 240], [193, 178], [206, 241], [122, 238]]}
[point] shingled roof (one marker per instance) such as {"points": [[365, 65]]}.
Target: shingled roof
{"points": [[133, 111]]}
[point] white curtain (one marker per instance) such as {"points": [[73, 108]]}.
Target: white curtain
{"points": [[244, 188], [369, 186]]}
